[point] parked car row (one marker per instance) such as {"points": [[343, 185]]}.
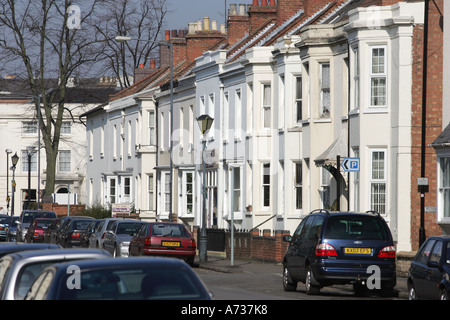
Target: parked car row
{"points": [[39, 271]]}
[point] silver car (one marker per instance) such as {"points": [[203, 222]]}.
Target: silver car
{"points": [[118, 237], [96, 238], [19, 270]]}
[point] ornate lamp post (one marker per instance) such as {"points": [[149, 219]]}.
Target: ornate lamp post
{"points": [[204, 122], [14, 159]]}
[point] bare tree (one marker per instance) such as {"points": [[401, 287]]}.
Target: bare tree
{"points": [[142, 21], [46, 39]]}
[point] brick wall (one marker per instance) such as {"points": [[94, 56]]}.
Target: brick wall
{"points": [[61, 209], [433, 120], [252, 245]]}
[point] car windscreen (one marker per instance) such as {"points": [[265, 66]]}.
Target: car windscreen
{"points": [[165, 230], [80, 224], [128, 227], [135, 283], [5, 220], [356, 227], [28, 217]]}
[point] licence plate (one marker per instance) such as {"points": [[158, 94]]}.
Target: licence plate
{"points": [[170, 243], [357, 251]]}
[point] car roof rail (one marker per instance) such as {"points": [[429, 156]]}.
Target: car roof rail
{"points": [[373, 212], [321, 210]]}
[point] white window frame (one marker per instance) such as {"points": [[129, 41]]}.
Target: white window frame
{"points": [[150, 191], [238, 114], [226, 116], [379, 181], [266, 103], [298, 112], [111, 199], [443, 192], [152, 128], [62, 161], [378, 75], [356, 79], [325, 89], [265, 170], [298, 185], [184, 196]]}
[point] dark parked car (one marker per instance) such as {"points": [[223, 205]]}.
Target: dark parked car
{"points": [[118, 238], [25, 219], [36, 230], [70, 235], [84, 241], [19, 270], [428, 276], [12, 230], [164, 239], [59, 227], [340, 248], [50, 230], [6, 222], [120, 279], [8, 248]]}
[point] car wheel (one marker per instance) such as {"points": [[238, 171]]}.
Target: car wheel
{"points": [[311, 289], [412, 292], [288, 284], [443, 295], [115, 252]]}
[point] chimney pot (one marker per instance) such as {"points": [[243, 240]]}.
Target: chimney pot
{"points": [[167, 35], [273, 3], [141, 66], [206, 23], [214, 25], [233, 11], [242, 10], [223, 29], [264, 3], [191, 28], [199, 25], [152, 63], [255, 3]]}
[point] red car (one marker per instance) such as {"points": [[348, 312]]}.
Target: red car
{"points": [[164, 239], [37, 229]]}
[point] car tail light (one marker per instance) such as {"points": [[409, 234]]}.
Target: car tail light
{"points": [[325, 249], [75, 235], [148, 241], [193, 244], [387, 252]]}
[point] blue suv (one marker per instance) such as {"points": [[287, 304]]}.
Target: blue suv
{"points": [[330, 248]]}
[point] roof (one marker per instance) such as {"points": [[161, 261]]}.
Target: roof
{"points": [[443, 140], [80, 91]]}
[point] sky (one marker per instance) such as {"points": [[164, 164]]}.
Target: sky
{"points": [[181, 12]]}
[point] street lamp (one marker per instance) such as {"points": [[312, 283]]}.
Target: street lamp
{"points": [[8, 152], [128, 38], [14, 159], [30, 152], [204, 121]]}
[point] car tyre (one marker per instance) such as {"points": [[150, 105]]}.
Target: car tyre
{"points": [[116, 252], [412, 295], [288, 284], [311, 289], [443, 295]]}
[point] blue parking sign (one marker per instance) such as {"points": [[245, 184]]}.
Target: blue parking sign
{"points": [[350, 164]]}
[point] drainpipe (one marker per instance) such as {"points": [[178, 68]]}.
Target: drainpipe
{"points": [[423, 189]]}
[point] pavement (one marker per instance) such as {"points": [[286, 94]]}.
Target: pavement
{"points": [[219, 263]]}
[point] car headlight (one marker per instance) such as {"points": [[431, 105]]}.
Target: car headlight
{"points": [[446, 276]]}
